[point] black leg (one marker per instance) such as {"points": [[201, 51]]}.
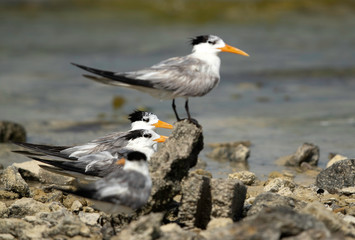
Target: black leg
{"points": [[187, 108], [174, 108]]}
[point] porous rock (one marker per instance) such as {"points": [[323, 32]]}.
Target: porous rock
{"points": [[228, 196], [283, 186], [89, 218], [145, 228], [270, 224], [269, 199], [339, 175], [248, 178], [27, 206], [12, 132], [196, 203], [171, 163], [306, 153], [172, 231], [4, 211], [331, 220], [237, 152], [335, 158], [14, 182]]}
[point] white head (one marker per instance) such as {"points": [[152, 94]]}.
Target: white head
{"points": [[212, 44], [144, 140], [146, 120]]}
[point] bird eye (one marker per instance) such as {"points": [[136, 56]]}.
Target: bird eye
{"points": [[147, 135], [146, 119], [211, 42]]}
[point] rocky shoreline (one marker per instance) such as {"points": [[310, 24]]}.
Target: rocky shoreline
{"points": [[188, 203]]}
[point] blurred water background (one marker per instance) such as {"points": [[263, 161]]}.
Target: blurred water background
{"points": [[298, 85]]}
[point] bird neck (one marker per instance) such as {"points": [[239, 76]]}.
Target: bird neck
{"points": [[147, 150], [139, 166], [211, 58]]}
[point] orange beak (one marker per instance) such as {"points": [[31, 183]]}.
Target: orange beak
{"points": [[231, 49], [121, 161], [161, 124], [161, 139]]}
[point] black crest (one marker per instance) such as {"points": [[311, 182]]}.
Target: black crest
{"points": [[136, 116], [136, 156], [134, 134], [199, 39]]}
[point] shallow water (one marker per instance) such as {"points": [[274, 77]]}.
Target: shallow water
{"points": [[297, 85]]}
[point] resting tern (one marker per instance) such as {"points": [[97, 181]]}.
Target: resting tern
{"points": [[193, 75], [99, 163], [123, 190], [110, 142]]}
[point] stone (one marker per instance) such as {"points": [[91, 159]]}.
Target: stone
{"points": [[248, 178], [76, 206], [89, 218], [145, 228], [333, 222], [280, 185], [307, 153], [172, 231], [334, 159], [46, 176], [6, 236], [69, 200], [27, 206], [195, 208], [12, 132], [236, 152], [8, 195], [270, 224], [4, 211], [338, 176], [269, 199], [171, 163], [42, 196], [14, 182], [228, 196], [29, 170], [217, 223]]}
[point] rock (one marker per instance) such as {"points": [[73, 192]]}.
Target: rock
{"points": [[237, 152], [89, 218], [269, 200], [70, 199], [283, 186], [4, 211], [42, 196], [196, 202], [228, 197], [76, 206], [334, 159], [217, 223], [171, 163], [12, 132], [172, 231], [348, 191], [333, 222], [6, 236], [8, 195], [14, 182], [27, 206], [271, 223], [339, 175], [307, 153], [145, 228], [55, 178], [248, 178], [15, 227], [29, 170]]}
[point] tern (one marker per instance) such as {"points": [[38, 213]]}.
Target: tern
{"points": [[193, 75], [123, 190], [99, 163], [110, 142]]}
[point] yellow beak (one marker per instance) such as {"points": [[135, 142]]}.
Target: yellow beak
{"points": [[231, 49], [161, 139], [161, 124], [121, 161]]}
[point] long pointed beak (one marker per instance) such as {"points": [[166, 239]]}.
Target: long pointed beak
{"points": [[121, 161], [161, 124], [161, 139], [231, 49]]}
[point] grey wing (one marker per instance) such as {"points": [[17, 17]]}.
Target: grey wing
{"points": [[110, 142], [125, 188], [184, 76]]}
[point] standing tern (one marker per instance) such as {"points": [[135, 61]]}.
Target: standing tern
{"points": [[193, 75], [99, 163], [110, 142], [123, 190]]}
